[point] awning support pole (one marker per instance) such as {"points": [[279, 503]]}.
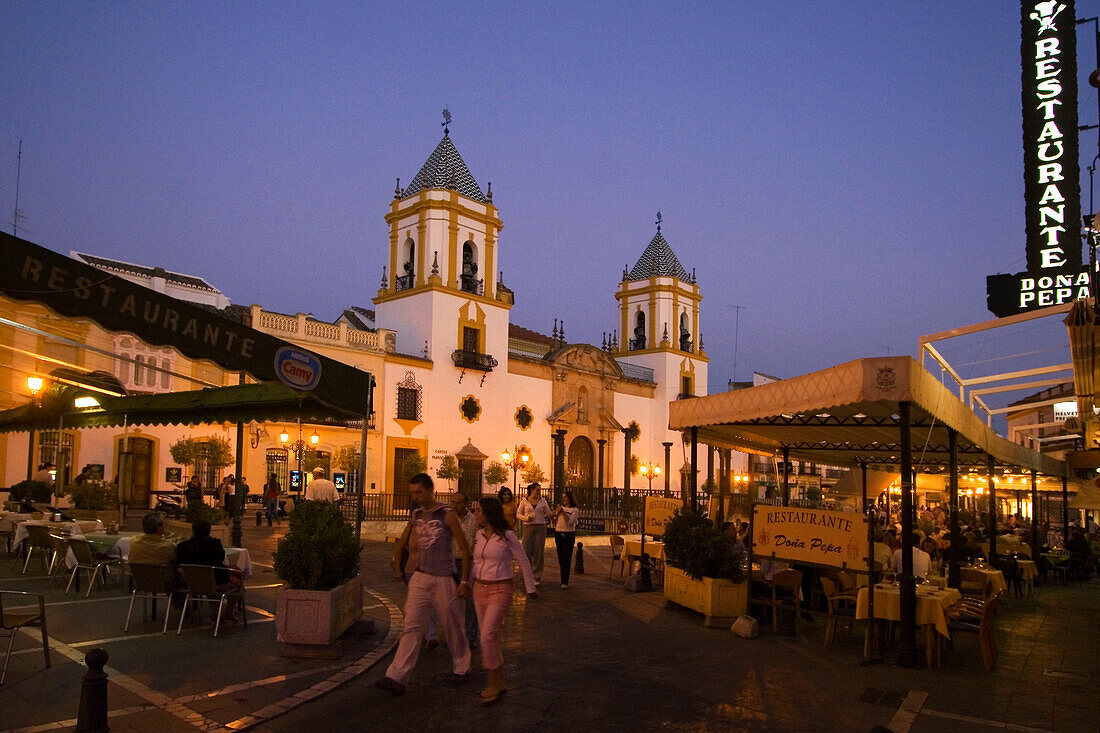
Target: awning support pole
{"points": [[907, 634], [235, 535], [693, 480], [870, 650], [1034, 515], [992, 486], [786, 475], [1065, 511], [668, 461], [953, 499], [362, 482]]}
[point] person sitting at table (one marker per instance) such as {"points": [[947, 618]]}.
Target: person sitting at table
{"points": [[202, 549], [883, 554], [921, 561], [930, 547], [151, 547]]}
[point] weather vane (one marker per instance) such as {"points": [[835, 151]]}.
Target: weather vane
{"points": [[446, 121], [658, 221]]}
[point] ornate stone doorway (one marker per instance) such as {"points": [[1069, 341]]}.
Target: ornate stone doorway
{"points": [[579, 463]]}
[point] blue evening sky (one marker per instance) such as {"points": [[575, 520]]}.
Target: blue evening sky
{"points": [[849, 172]]}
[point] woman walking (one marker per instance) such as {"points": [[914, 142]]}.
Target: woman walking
{"points": [[565, 534], [508, 504], [495, 548]]}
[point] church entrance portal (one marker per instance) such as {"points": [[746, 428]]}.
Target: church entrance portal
{"points": [[579, 468]]}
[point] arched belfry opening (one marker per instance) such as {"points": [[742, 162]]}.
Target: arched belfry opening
{"points": [[638, 341]]}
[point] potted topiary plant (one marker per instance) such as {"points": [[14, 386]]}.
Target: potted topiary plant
{"points": [[218, 518], [318, 560], [703, 570], [37, 492]]}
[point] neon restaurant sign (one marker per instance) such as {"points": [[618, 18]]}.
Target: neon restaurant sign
{"points": [[1052, 189]]}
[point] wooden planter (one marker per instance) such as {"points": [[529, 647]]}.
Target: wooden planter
{"points": [[316, 618], [719, 600]]}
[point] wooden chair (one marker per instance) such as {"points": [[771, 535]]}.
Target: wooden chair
{"points": [[202, 587], [972, 583], [618, 554], [151, 581], [841, 607], [973, 617], [785, 585], [88, 558], [14, 621]]}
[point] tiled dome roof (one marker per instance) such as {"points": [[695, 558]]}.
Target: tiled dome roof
{"points": [[446, 169]]}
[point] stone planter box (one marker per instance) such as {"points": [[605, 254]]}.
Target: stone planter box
{"points": [[317, 617], [183, 529], [719, 600]]}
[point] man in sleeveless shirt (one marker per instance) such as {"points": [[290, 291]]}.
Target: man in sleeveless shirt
{"points": [[432, 586]]}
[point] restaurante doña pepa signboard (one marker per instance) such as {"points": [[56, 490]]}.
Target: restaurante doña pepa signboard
{"points": [[1052, 190], [837, 539], [659, 510]]}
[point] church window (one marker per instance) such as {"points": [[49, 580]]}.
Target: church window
{"points": [[639, 341], [469, 281], [407, 278], [408, 398]]}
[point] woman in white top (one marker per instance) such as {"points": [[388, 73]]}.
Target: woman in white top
{"points": [[565, 534], [494, 549]]}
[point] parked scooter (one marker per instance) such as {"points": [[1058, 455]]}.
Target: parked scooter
{"points": [[169, 505]]}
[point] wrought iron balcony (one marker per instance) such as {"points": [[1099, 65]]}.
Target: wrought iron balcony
{"points": [[404, 282], [637, 344], [473, 360], [471, 284]]}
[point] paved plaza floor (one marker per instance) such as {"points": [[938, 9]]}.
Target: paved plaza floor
{"points": [[593, 657]]}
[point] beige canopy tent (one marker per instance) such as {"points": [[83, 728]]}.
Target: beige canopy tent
{"points": [[1088, 496], [888, 414]]}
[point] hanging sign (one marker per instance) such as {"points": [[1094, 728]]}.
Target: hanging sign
{"points": [[658, 511], [815, 536], [1052, 195]]}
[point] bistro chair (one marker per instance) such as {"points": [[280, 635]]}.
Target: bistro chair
{"points": [[151, 581], [785, 585], [88, 558], [841, 607], [972, 583], [202, 587], [38, 538], [618, 554], [7, 532], [14, 621], [60, 546], [973, 617]]}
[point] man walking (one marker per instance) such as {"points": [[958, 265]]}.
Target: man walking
{"points": [[321, 489], [534, 513], [461, 504], [438, 530]]}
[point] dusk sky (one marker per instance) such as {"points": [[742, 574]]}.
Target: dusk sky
{"points": [[847, 172]]}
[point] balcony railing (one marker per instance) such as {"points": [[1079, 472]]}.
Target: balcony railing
{"points": [[473, 360], [471, 284], [404, 282]]}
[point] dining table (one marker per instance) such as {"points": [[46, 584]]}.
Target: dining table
{"points": [[118, 545], [78, 527], [932, 605]]}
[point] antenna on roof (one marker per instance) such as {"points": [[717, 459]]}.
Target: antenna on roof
{"points": [[446, 122], [658, 221], [17, 214]]}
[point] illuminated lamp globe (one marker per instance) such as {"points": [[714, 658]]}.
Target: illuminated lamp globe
{"points": [[315, 438], [284, 437], [34, 384]]}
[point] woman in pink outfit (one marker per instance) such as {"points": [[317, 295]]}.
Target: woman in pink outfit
{"points": [[491, 571]]}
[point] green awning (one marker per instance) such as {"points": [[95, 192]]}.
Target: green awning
{"points": [[240, 403]]}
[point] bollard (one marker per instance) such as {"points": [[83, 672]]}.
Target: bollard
{"points": [[259, 519], [578, 568], [92, 716]]}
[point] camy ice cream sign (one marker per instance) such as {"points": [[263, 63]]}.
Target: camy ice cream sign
{"points": [[296, 369]]}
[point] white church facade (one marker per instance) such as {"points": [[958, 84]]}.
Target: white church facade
{"points": [[454, 375]]}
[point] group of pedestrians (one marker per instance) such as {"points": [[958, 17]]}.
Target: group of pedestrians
{"points": [[457, 560]]}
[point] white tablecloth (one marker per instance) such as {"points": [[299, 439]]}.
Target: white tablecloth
{"points": [[235, 557], [78, 527]]}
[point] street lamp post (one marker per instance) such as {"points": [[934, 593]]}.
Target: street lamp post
{"points": [[649, 472], [514, 459], [298, 447]]}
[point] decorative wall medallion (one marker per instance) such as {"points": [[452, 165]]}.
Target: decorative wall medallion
{"points": [[470, 408], [886, 378], [524, 418]]}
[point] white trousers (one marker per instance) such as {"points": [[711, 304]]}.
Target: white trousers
{"points": [[431, 592]]}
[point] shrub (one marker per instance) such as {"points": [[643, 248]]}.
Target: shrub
{"points": [[695, 546], [93, 495], [534, 475], [496, 474], [319, 550], [448, 470], [414, 463], [38, 492], [212, 514]]}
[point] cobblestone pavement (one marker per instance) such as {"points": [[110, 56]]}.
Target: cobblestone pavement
{"points": [[169, 683], [595, 657]]}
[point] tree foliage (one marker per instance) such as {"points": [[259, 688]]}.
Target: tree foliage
{"points": [[496, 474], [414, 464], [347, 458], [448, 469], [191, 451], [533, 474]]}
